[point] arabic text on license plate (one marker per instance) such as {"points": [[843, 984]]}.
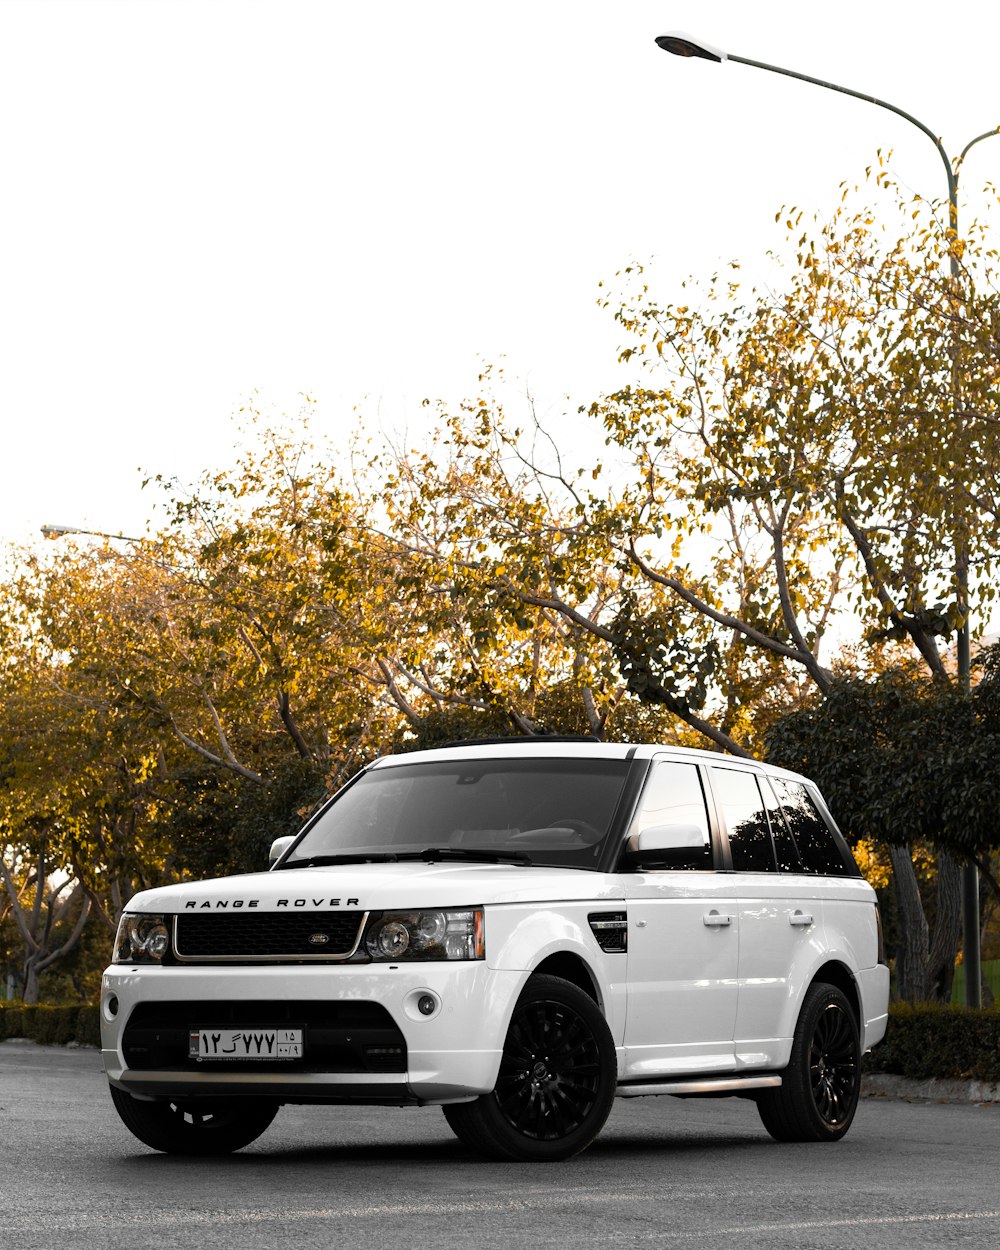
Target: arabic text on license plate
{"points": [[245, 1044]]}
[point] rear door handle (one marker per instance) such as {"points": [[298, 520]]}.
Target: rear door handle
{"points": [[715, 920], [800, 918]]}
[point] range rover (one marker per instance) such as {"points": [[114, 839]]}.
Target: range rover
{"points": [[517, 932]]}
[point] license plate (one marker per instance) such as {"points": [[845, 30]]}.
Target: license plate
{"points": [[245, 1044]]}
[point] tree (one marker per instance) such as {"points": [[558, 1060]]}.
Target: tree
{"points": [[486, 544], [43, 900], [820, 450], [811, 435], [905, 761], [49, 917]]}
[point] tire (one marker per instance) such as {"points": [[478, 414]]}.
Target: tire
{"points": [[196, 1126], [556, 1082], [821, 1085]]}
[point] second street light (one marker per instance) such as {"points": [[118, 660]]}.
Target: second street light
{"points": [[60, 531], [679, 44]]}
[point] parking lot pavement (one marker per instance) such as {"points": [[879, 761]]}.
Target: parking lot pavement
{"points": [[664, 1172]]}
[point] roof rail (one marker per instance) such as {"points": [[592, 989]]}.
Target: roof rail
{"points": [[492, 742]]}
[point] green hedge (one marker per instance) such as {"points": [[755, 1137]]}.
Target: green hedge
{"points": [[950, 1042], [52, 1026]]}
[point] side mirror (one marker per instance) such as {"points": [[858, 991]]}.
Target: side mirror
{"points": [[278, 847], [682, 845]]}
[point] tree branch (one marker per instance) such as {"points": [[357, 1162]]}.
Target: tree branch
{"points": [[71, 941], [924, 643], [231, 764], [284, 711], [400, 699], [822, 676]]}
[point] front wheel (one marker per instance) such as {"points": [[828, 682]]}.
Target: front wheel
{"points": [[195, 1126], [821, 1085], [556, 1082]]}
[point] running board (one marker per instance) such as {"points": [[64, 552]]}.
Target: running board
{"points": [[703, 1085]]}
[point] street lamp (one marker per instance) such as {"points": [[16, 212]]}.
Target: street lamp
{"points": [[679, 44], [57, 531]]}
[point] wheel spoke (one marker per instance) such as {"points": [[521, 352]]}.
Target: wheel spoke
{"points": [[518, 1048]]}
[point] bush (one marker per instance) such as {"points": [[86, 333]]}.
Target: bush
{"points": [[52, 1026], [926, 1041]]}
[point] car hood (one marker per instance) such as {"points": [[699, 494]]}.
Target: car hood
{"points": [[376, 887]]}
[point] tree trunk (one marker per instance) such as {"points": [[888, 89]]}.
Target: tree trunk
{"points": [[31, 981], [947, 929], [911, 947]]}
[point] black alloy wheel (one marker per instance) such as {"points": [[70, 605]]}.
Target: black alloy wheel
{"points": [[822, 1083], [833, 1065], [550, 1072], [556, 1082], [195, 1126]]}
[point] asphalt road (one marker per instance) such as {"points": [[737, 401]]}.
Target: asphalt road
{"points": [[663, 1173]]}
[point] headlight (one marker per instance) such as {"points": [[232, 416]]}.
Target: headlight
{"points": [[141, 940], [411, 935]]}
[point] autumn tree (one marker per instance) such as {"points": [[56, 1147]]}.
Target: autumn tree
{"points": [[44, 902], [796, 458], [492, 550]]}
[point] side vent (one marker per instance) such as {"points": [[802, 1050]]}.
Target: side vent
{"points": [[611, 930]]}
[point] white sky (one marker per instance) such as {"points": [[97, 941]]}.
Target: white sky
{"points": [[367, 200]]}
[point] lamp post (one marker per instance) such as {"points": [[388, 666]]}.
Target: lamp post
{"points": [[678, 44], [57, 531]]}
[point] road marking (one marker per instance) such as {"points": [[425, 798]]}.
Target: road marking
{"points": [[511, 1206], [861, 1221]]}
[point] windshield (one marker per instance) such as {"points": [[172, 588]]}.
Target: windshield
{"points": [[555, 812]]}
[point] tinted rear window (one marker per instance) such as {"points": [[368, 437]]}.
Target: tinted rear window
{"points": [[818, 848]]}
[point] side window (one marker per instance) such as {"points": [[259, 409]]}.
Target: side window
{"points": [[673, 796], [743, 811], [785, 850], [818, 850]]}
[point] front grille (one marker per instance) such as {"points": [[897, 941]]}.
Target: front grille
{"points": [[246, 937], [339, 1036]]}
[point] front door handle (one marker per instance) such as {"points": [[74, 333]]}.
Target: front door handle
{"points": [[716, 920], [800, 918]]}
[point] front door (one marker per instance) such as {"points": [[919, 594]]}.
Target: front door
{"points": [[684, 939]]}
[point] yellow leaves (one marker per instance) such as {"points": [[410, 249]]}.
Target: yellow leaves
{"points": [[875, 866]]}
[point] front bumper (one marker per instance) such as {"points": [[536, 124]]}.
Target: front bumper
{"points": [[451, 1055]]}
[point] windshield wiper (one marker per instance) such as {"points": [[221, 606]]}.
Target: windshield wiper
{"points": [[429, 855], [349, 857], [435, 854]]}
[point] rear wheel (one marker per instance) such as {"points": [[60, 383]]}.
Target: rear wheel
{"points": [[556, 1082], [821, 1085], [194, 1126]]}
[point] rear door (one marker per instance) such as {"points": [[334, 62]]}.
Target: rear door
{"points": [[781, 917]]}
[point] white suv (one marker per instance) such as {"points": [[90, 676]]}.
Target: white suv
{"points": [[518, 932]]}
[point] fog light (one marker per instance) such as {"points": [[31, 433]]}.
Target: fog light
{"points": [[112, 1004], [426, 1005]]}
